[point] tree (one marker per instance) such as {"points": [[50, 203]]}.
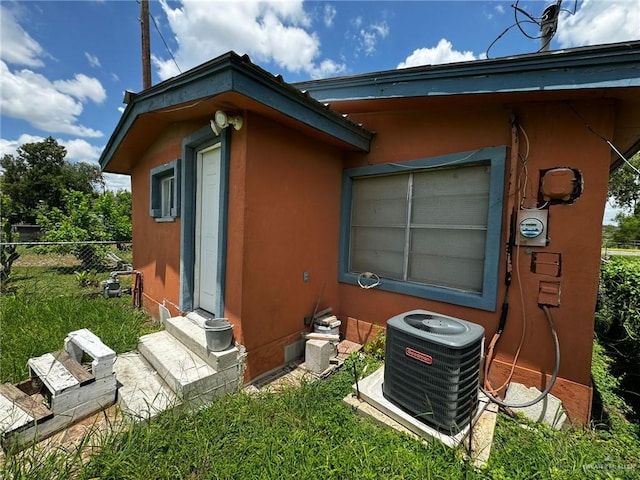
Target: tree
{"points": [[628, 229], [83, 217], [624, 188], [39, 174], [115, 211], [624, 184], [83, 177], [77, 221], [8, 253]]}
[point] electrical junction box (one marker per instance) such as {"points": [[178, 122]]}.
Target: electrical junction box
{"points": [[532, 228]]}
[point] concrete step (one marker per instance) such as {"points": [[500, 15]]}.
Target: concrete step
{"points": [[192, 336], [189, 376], [142, 393]]}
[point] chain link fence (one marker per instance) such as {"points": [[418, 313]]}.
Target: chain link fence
{"points": [[627, 249], [633, 245], [66, 268]]}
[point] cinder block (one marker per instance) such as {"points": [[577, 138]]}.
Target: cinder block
{"points": [[85, 341], [317, 355]]}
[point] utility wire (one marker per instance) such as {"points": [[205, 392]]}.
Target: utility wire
{"points": [[165, 43], [166, 46], [532, 19], [606, 140], [502, 34], [538, 21]]}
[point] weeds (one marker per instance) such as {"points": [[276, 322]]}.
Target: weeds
{"points": [[47, 306], [302, 433], [307, 432], [376, 347]]}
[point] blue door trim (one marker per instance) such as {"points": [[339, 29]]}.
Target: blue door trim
{"points": [[191, 145]]}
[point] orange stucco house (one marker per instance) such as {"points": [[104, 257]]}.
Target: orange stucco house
{"points": [[447, 182]]}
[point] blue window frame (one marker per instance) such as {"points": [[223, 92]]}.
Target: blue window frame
{"points": [[429, 227], [164, 203]]}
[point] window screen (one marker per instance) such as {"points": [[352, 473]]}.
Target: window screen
{"points": [[425, 226]]}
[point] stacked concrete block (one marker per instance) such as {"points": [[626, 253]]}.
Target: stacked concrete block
{"points": [[318, 354]]}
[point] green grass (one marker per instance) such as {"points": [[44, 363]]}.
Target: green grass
{"points": [[46, 306], [301, 433], [308, 433]]}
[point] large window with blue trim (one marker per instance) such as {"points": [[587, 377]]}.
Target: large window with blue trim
{"points": [[428, 227]]}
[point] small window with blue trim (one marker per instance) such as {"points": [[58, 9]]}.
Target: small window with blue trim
{"points": [[428, 227], [164, 195]]}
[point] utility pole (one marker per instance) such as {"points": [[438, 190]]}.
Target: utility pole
{"points": [[146, 44], [549, 25]]}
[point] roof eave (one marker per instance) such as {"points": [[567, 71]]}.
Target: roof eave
{"points": [[232, 73], [608, 66]]}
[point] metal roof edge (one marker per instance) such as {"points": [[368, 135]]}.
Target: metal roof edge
{"points": [[235, 73], [403, 82]]}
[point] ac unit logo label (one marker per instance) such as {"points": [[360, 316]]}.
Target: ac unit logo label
{"points": [[421, 357]]}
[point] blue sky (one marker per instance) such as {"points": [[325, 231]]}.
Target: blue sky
{"points": [[66, 64]]}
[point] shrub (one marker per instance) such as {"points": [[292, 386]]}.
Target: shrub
{"points": [[618, 323], [619, 308]]}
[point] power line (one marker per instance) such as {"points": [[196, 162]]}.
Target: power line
{"points": [[605, 139], [546, 24], [166, 46], [165, 43]]}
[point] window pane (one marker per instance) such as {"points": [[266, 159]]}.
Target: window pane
{"points": [[166, 196], [379, 250], [447, 234], [380, 200], [454, 196], [448, 258], [379, 219]]}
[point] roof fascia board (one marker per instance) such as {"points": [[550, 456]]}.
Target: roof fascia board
{"points": [[587, 68], [161, 96], [300, 107], [230, 73]]}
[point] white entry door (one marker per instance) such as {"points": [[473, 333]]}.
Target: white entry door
{"points": [[207, 282]]}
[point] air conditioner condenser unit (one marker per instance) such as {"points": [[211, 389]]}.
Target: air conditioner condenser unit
{"points": [[432, 368]]}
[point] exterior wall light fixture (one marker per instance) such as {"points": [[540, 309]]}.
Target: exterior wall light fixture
{"points": [[222, 120]]}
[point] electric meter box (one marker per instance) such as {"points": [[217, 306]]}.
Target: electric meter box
{"points": [[531, 228]]}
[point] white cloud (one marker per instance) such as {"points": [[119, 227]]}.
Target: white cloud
{"points": [[275, 32], [329, 15], [116, 182], [370, 36], [327, 68], [498, 9], [610, 212], [93, 60], [17, 47], [597, 22], [82, 88], [10, 147], [79, 150], [32, 97], [443, 52]]}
